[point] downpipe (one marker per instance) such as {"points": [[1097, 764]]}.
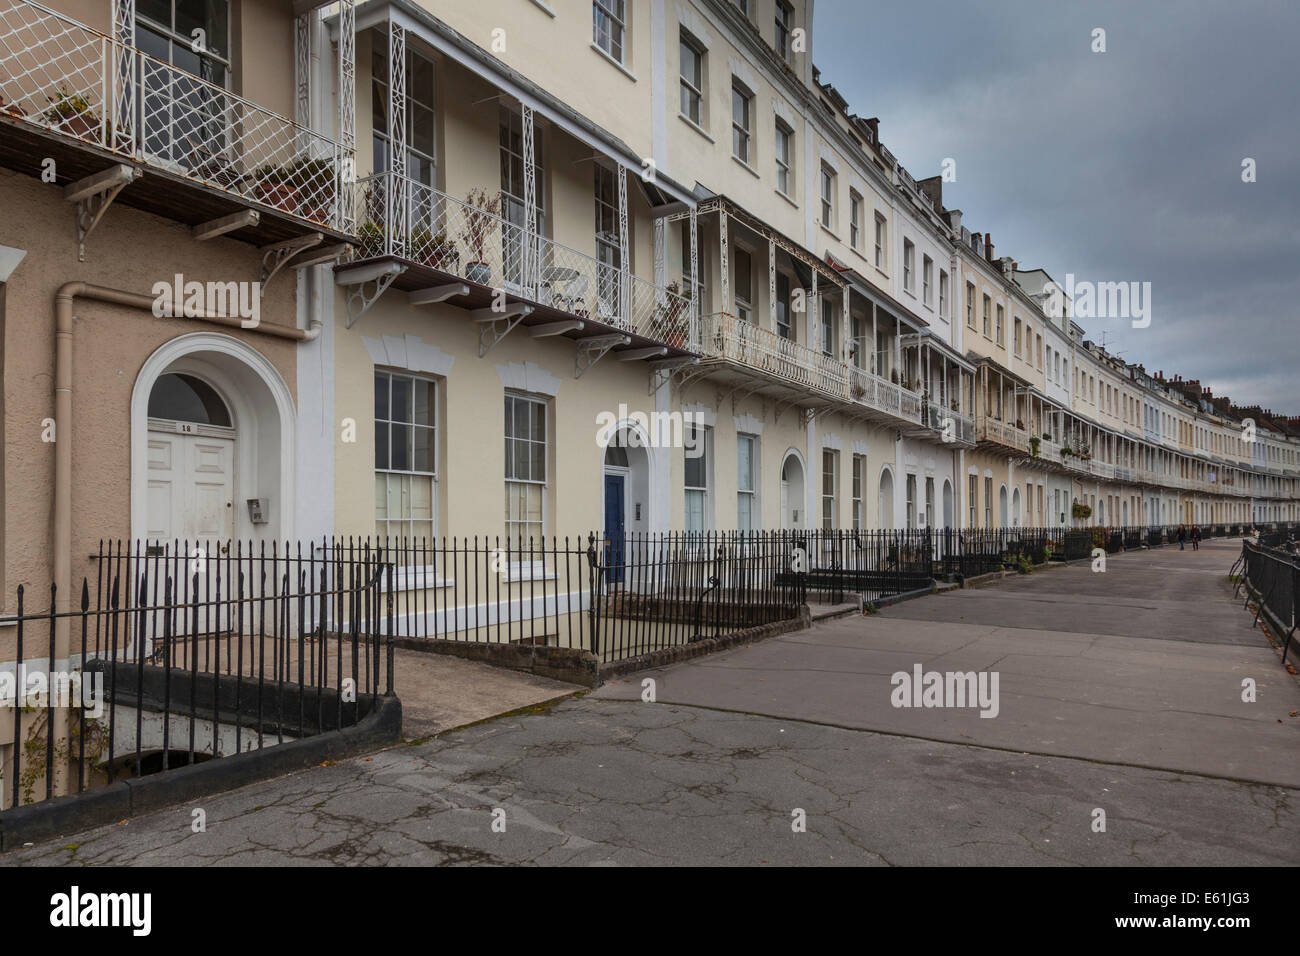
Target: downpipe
{"points": [[64, 300]]}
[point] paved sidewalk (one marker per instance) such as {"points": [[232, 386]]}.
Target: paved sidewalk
{"points": [[1141, 665], [1137, 668]]}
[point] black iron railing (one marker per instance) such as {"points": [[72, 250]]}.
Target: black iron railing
{"points": [[1271, 578], [180, 653]]}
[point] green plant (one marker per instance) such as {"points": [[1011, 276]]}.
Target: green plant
{"points": [[273, 174], [66, 105], [432, 248], [309, 173], [480, 212]]}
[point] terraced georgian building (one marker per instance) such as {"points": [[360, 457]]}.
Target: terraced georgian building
{"points": [[486, 268]]}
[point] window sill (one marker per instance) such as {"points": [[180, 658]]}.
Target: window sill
{"points": [[786, 197], [613, 62], [745, 166], [420, 578], [697, 127], [827, 229], [544, 8]]}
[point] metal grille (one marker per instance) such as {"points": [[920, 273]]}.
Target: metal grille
{"points": [[402, 217], [59, 74]]}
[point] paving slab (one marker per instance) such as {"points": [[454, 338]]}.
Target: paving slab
{"points": [[1142, 664], [607, 783]]}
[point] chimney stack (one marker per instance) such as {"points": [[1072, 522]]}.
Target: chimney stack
{"points": [[988, 246]]}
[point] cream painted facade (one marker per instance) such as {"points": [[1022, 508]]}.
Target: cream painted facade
{"points": [[551, 224], [827, 327]]}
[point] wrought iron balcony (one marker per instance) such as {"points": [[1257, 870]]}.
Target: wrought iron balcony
{"points": [[1002, 433], [440, 237], [724, 336], [86, 99]]}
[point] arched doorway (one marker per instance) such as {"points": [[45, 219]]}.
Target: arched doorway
{"points": [[1015, 508], [191, 461], [1002, 505], [948, 517], [792, 493], [885, 500], [626, 495], [212, 443]]}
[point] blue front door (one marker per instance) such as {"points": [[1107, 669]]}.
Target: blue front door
{"points": [[614, 528]]}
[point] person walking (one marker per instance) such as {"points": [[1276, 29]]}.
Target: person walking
{"points": [[1196, 537], [1182, 537]]}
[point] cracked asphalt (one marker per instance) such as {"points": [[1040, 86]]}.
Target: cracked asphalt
{"points": [[727, 775]]}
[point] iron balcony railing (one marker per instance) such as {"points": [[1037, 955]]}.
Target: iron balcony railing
{"points": [[1004, 433], [725, 336], [402, 217], [62, 75]]}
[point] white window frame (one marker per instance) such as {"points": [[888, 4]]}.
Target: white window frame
{"points": [[859, 482], [700, 433], [827, 196], [829, 474], [387, 474], [542, 404], [692, 88], [750, 493], [783, 134], [742, 133], [615, 13]]}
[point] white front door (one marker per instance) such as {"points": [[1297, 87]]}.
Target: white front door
{"points": [[191, 483]]}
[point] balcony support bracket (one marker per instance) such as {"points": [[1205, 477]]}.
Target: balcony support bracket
{"points": [[591, 350], [557, 328], [219, 227], [438, 293], [93, 195], [365, 284], [637, 355], [276, 256], [495, 325], [684, 367]]}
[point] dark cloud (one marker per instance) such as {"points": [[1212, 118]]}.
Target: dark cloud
{"points": [[1123, 165]]}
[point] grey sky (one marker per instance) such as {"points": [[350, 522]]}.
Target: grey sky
{"points": [[1115, 166]]}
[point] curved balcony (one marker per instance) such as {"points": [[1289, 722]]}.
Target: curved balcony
{"points": [[724, 336], [88, 101], [439, 238]]}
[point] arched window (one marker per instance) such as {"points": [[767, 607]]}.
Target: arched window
{"points": [[184, 398]]}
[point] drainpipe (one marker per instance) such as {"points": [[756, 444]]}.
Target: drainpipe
{"points": [[63, 301]]}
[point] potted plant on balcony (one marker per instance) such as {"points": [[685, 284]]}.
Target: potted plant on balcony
{"points": [[434, 249], [481, 212], [1034, 441], [11, 109], [858, 390], [71, 113], [276, 187], [313, 180], [672, 316]]}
